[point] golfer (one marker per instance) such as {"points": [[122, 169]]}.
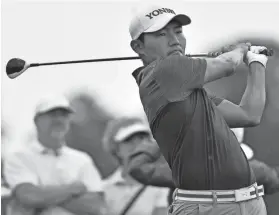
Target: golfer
{"points": [[192, 128]]}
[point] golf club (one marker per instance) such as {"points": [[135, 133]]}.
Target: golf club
{"points": [[17, 66]]}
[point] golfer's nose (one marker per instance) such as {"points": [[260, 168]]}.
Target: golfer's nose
{"points": [[173, 40]]}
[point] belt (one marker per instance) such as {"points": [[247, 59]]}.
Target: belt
{"points": [[220, 196]]}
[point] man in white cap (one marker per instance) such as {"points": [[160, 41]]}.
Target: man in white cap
{"points": [[48, 177], [192, 128], [124, 137]]}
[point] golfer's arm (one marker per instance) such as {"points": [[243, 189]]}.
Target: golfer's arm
{"points": [[222, 66], [91, 203], [254, 97], [36, 197], [249, 112], [148, 172]]}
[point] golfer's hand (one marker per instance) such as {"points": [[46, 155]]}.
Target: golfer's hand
{"points": [[254, 56], [257, 49], [77, 188], [243, 47]]}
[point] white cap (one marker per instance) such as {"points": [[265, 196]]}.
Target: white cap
{"points": [[119, 129], [153, 19], [126, 132], [49, 103]]}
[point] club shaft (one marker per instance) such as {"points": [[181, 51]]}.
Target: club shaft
{"points": [[84, 61], [268, 52], [100, 60]]}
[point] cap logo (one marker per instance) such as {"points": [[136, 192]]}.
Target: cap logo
{"points": [[158, 12]]}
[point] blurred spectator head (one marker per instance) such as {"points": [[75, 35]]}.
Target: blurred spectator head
{"points": [[123, 135], [52, 117]]}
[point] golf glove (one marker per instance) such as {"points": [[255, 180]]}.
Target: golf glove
{"points": [[253, 55]]}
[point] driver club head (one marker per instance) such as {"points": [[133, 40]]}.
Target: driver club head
{"points": [[16, 67]]}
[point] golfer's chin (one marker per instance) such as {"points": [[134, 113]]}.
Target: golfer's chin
{"points": [[175, 53]]}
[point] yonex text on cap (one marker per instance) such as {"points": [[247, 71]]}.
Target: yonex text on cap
{"points": [[153, 19]]}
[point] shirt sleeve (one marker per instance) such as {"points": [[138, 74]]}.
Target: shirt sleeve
{"points": [[178, 76], [216, 100], [90, 176], [18, 170]]}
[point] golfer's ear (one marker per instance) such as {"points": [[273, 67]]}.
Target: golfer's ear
{"points": [[137, 46]]}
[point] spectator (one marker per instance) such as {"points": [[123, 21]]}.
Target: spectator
{"points": [[48, 177], [122, 138]]}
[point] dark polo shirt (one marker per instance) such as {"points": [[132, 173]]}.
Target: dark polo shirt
{"points": [[201, 150]]}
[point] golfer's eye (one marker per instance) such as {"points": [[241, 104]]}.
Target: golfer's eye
{"points": [[161, 33], [179, 31]]}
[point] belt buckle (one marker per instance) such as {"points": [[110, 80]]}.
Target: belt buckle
{"points": [[242, 195]]}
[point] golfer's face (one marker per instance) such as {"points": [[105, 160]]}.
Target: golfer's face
{"points": [[167, 41]]}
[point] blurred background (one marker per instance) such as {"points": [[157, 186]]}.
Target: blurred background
{"points": [[45, 31]]}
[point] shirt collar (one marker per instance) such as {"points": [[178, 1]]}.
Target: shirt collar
{"points": [[139, 73], [38, 147]]}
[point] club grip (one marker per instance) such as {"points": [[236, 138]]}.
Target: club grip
{"points": [[267, 52]]}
